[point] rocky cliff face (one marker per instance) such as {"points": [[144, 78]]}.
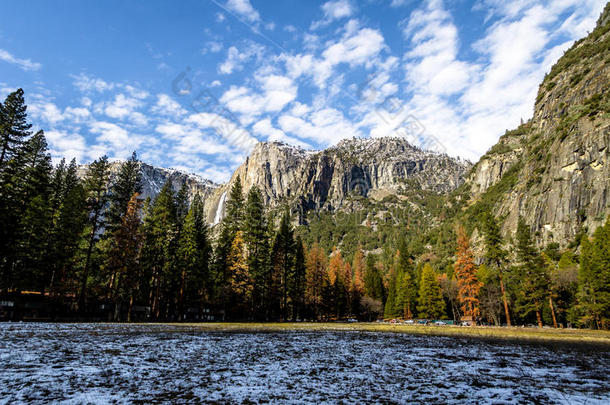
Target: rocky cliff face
{"points": [[323, 180], [560, 177]]}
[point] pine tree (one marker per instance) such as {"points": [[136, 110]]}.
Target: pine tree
{"points": [[390, 310], [30, 247], [431, 304], [534, 280], [257, 242], [193, 256], [497, 258], [231, 223], [373, 282], [551, 270], [126, 184], [283, 262], [31, 194], [594, 279], [15, 169], [201, 277], [235, 207], [182, 204], [159, 252], [57, 187], [466, 274], [96, 185], [125, 258], [601, 283], [406, 287], [14, 128], [67, 226]]}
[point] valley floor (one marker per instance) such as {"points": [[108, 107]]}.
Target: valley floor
{"points": [[293, 363]]}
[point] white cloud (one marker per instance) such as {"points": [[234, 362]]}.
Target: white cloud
{"points": [[355, 50], [23, 64], [217, 174], [116, 141], [276, 92], [357, 47], [432, 63], [67, 145], [136, 92], [191, 140], [122, 107], [334, 10], [48, 112], [270, 133], [212, 46], [325, 127], [299, 109], [77, 114], [231, 132], [138, 118], [87, 83], [467, 105], [244, 9], [167, 106], [236, 59], [110, 133]]}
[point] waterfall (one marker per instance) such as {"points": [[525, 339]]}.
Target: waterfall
{"points": [[221, 206]]}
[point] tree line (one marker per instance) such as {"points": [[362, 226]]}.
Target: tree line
{"points": [[88, 241]]}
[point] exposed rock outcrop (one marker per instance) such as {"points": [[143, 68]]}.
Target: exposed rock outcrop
{"points": [[322, 180], [562, 154]]}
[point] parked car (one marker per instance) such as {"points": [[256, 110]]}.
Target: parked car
{"points": [[440, 323], [422, 322], [410, 322]]}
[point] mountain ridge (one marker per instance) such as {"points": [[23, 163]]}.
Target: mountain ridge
{"points": [[554, 169], [322, 180]]}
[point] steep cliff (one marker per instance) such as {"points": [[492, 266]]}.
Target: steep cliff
{"points": [[323, 180], [554, 170]]}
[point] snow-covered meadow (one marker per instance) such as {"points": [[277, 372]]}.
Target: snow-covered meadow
{"points": [[109, 363]]}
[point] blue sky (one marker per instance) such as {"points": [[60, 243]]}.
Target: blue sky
{"points": [[193, 85]]}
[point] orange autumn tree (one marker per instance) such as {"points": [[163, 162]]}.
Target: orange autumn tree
{"points": [[240, 279], [335, 266], [339, 293], [358, 268], [316, 278], [466, 274]]}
